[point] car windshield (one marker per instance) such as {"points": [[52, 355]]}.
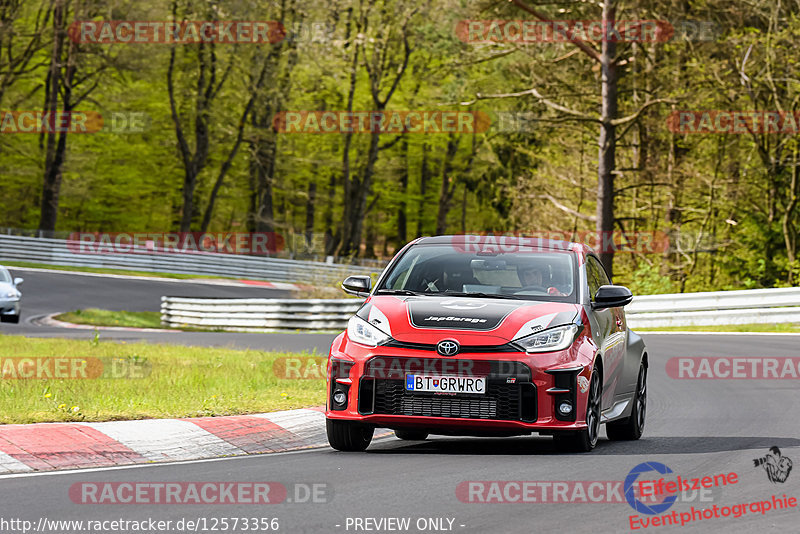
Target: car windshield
{"points": [[540, 274], [5, 276]]}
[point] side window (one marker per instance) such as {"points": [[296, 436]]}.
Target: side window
{"points": [[595, 275], [592, 277], [601, 273]]}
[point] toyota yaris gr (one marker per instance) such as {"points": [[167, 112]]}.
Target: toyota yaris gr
{"points": [[488, 336]]}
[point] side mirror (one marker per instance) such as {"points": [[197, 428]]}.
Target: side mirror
{"points": [[357, 285], [18, 281], [612, 297]]}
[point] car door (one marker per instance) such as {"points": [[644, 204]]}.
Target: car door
{"points": [[609, 334]]}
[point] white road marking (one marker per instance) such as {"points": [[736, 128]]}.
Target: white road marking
{"points": [[308, 425], [166, 439], [9, 464]]}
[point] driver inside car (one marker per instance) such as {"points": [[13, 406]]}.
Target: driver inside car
{"points": [[533, 277], [530, 276]]}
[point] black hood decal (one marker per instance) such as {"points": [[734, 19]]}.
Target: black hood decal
{"points": [[458, 313]]}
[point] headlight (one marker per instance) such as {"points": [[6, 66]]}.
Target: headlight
{"points": [[360, 331], [550, 340], [11, 295]]}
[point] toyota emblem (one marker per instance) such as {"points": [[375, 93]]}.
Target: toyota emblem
{"points": [[448, 347]]}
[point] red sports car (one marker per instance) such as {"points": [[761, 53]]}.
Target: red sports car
{"points": [[488, 336]]}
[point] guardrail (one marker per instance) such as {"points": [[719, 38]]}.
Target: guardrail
{"points": [[258, 314], [63, 252], [751, 306], [688, 309]]}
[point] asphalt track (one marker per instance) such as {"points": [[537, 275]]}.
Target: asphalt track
{"points": [[695, 427], [44, 293]]}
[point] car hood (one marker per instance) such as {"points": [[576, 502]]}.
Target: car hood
{"points": [[470, 321]]}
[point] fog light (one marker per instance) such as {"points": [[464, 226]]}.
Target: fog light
{"points": [[339, 397], [565, 408]]}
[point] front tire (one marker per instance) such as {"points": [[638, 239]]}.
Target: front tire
{"points": [[585, 440], [631, 428], [348, 436], [411, 435]]}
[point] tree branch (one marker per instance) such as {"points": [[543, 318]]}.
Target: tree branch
{"points": [[585, 48], [565, 209], [540, 98], [634, 116]]}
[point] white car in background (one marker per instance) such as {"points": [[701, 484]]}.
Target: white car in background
{"points": [[9, 297]]}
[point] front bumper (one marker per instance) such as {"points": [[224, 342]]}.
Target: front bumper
{"points": [[9, 306], [523, 390]]}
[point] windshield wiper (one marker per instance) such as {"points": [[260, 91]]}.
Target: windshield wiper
{"points": [[479, 295], [397, 292]]}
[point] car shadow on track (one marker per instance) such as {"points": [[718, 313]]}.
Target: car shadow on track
{"points": [[543, 446]]}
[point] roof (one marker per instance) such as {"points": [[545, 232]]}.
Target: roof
{"points": [[502, 241]]}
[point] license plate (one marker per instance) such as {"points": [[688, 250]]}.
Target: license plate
{"points": [[446, 384]]}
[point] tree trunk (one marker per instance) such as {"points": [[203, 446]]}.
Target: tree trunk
{"points": [[362, 192], [56, 145], [193, 161], [607, 142], [424, 177], [310, 201], [266, 100], [262, 166], [228, 163], [464, 211], [331, 233], [402, 219], [52, 166], [789, 234], [447, 189], [346, 229]]}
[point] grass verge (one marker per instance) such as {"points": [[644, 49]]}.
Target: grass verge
{"points": [[180, 382], [96, 317], [779, 328]]}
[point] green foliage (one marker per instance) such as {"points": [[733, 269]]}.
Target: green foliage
{"points": [[734, 191], [646, 280]]}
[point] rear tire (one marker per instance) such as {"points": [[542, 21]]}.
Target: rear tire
{"points": [[631, 427], [585, 440], [348, 436], [411, 435]]}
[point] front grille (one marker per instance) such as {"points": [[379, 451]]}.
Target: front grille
{"points": [[382, 389], [475, 349], [501, 401], [449, 407]]}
